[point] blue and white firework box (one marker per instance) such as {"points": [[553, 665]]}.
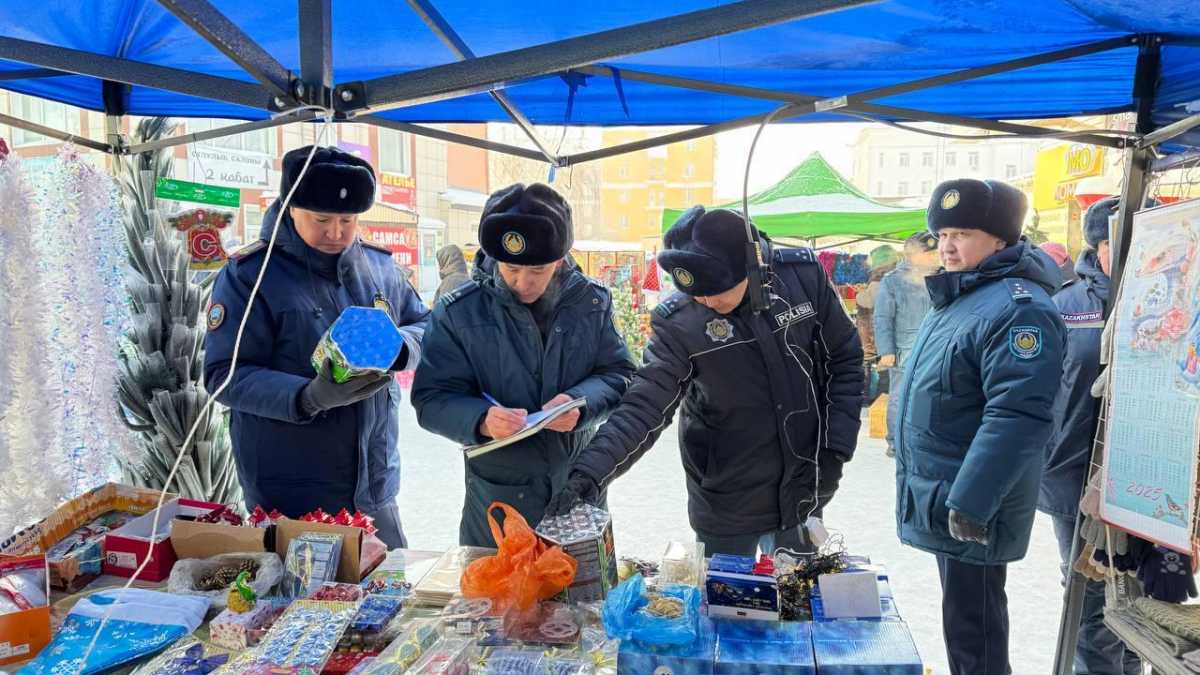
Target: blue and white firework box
{"points": [[865, 648], [734, 590], [694, 659], [764, 648], [362, 340]]}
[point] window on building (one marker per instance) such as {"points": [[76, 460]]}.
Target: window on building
{"points": [[624, 197], [623, 171], [926, 159], [882, 162], [902, 189], [973, 160], [262, 141], [879, 189], [1010, 170], [47, 113], [395, 152], [904, 159], [925, 187], [951, 159], [689, 171], [690, 146], [624, 221], [251, 221]]}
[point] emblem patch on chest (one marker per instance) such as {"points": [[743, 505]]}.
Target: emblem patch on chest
{"points": [[794, 314], [719, 330], [1025, 342]]}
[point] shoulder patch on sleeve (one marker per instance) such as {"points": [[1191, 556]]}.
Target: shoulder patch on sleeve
{"points": [[378, 247], [671, 304], [249, 249], [795, 256], [451, 297], [1019, 289]]}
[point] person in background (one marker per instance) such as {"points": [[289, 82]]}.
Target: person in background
{"points": [[901, 304], [1062, 258], [770, 401], [452, 270], [1083, 304], [529, 332], [882, 259], [300, 439], [974, 412]]}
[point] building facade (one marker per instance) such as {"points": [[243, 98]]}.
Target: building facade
{"points": [[636, 187], [903, 167]]}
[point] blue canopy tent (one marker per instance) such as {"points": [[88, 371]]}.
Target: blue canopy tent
{"points": [[674, 62]]}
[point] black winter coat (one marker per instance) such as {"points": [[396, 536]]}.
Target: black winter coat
{"points": [[765, 399], [481, 339]]}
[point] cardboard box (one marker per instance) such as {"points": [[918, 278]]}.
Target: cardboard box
{"points": [[764, 648], [860, 647], [694, 659], [597, 558], [735, 591], [125, 548], [205, 540], [77, 570], [24, 634], [351, 568]]}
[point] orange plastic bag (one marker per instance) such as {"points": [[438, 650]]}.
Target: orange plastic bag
{"points": [[524, 571]]}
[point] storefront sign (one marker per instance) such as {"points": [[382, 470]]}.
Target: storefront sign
{"points": [[398, 190], [229, 168], [401, 241], [1064, 192], [1084, 160]]}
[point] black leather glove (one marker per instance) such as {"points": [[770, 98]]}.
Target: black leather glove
{"points": [[322, 393], [579, 488], [963, 528]]}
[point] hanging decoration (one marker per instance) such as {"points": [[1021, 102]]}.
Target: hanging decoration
{"points": [[203, 228], [61, 314]]}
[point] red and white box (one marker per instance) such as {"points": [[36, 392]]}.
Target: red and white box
{"points": [[125, 548]]}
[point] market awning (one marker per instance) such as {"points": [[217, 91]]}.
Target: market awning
{"points": [[675, 62], [814, 201]]}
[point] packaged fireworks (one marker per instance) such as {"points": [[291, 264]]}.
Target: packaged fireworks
{"points": [[361, 341], [312, 559], [586, 535]]}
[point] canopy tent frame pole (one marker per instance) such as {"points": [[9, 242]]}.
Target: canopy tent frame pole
{"points": [[54, 133], [819, 105], [31, 74], [303, 115], [1173, 130], [209, 23], [452, 137], [446, 33], [103, 67], [316, 53], [485, 73], [1133, 192]]}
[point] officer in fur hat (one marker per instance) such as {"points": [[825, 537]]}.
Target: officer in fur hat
{"points": [[301, 440], [527, 333], [974, 411], [770, 400]]}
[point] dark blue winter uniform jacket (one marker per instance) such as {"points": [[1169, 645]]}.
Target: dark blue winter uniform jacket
{"points": [[345, 457], [482, 340], [1069, 451], [975, 406]]}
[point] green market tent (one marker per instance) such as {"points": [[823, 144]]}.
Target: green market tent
{"points": [[815, 201]]}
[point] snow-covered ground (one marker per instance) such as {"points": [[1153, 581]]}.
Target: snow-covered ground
{"points": [[649, 506]]}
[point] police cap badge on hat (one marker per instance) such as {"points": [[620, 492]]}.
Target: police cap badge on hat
{"points": [[969, 204], [526, 225], [705, 251]]}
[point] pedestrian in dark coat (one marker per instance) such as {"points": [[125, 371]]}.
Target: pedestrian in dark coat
{"points": [[529, 333], [974, 412], [770, 402], [1083, 304], [301, 440]]}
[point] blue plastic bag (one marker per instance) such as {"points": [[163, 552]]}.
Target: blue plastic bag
{"points": [[625, 617]]}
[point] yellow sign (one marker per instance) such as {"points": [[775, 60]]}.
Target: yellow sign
{"points": [[1084, 160], [397, 180]]}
